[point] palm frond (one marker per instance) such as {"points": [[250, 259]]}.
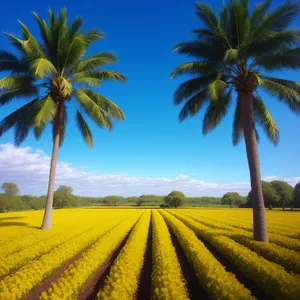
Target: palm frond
{"points": [[259, 11], [45, 112], [84, 129], [271, 42], [44, 30], [91, 36], [16, 118], [15, 82], [192, 86], [9, 62], [94, 78], [41, 67], [283, 59], [76, 24], [287, 95], [294, 85], [96, 61], [75, 52], [206, 15], [200, 50], [231, 54], [83, 78], [216, 89], [25, 91], [105, 105], [62, 85], [108, 75], [194, 104], [239, 23], [92, 109], [192, 68], [215, 112], [29, 47], [265, 119]]}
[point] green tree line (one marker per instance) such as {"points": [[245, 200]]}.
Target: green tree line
{"points": [[276, 194]]}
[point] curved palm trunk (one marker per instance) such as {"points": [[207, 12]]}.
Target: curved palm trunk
{"points": [[47, 220], [259, 220]]}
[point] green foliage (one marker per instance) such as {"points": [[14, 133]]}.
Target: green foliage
{"points": [[61, 200], [296, 200], [284, 191], [231, 51], [66, 190], [36, 203], [175, 199], [10, 189], [140, 201], [203, 201], [233, 198], [113, 200], [47, 68]]}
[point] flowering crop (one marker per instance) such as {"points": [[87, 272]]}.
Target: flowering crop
{"points": [[123, 279], [217, 282], [74, 279], [17, 285], [167, 279], [271, 277], [284, 241], [82, 241]]}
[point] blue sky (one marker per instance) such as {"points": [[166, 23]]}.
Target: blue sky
{"points": [[151, 143]]}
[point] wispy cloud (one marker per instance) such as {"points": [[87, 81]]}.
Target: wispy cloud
{"points": [[29, 169], [291, 180]]}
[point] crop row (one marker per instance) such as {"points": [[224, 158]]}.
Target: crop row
{"points": [[289, 259], [31, 237], [247, 225], [212, 276], [167, 278], [271, 277], [75, 277], [284, 241], [19, 284], [20, 258], [123, 280]]}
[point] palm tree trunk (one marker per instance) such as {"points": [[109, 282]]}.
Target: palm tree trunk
{"points": [[259, 220], [47, 220]]}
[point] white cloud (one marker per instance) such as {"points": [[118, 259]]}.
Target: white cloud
{"points": [[292, 180], [29, 169], [271, 178]]}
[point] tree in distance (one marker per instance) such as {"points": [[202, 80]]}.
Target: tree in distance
{"points": [[232, 198], [64, 189], [10, 189], [296, 200], [285, 193], [175, 199], [112, 200]]}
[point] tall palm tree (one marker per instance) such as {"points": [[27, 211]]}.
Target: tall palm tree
{"points": [[53, 73], [230, 53]]}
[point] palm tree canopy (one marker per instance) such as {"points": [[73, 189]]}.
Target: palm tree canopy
{"points": [[231, 53], [54, 70]]}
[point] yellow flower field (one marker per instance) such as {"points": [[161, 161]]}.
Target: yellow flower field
{"points": [[129, 253]]}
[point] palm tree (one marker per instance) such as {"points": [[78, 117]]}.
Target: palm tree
{"points": [[53, 73], [230, 53]]}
